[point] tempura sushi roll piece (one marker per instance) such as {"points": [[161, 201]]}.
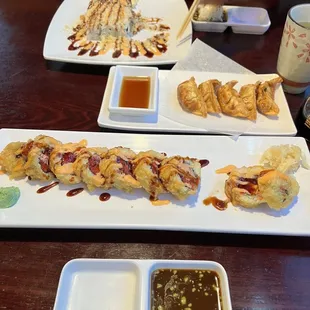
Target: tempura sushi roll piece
{"points": [[146, 171], [180, 176], [117, 169], [62, 159], [86, 167], [11, 160], [37, 161]]}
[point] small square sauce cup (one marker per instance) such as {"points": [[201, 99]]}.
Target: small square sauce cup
{"points": [[134, 72]]}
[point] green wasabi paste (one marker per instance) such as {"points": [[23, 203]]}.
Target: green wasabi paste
{"points": [[8, 196]]}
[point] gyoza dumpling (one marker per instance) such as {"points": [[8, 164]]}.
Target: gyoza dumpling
{"points": [[248, 94], [62, 159], [37, 162], [230, 101], [265, 97], [190, 98], [208, 90], [180, 176], [146, 171], [11, 160], [86, 167], [117, 169]]}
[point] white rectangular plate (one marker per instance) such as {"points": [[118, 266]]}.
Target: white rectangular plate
{"points": [[56, 42], [54, 209], [171, 117], [121, 284]]}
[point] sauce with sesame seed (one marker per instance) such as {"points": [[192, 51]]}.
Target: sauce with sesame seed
{"points": [[180, 289]]}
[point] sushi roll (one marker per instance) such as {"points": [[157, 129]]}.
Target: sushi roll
{"points": [[37, 160], [11, 160], [146, 171], [86, 167], [180, 176], [62, 159], [117, 169]]}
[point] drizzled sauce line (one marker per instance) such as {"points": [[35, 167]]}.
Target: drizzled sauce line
{"points": [[46, 188], [74, 192]]}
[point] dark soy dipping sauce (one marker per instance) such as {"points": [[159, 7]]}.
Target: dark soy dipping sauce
{"points": [[104, 197], [180, 289], [203, 162], [75, 191], [46, 188], [216, 203]]}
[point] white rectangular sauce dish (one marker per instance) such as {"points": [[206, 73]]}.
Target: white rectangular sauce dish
{"points": [[242, 20], [120, 284]]}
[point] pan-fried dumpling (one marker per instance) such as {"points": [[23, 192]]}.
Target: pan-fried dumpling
{"points": [[231, 102], [208, 90], [248, 94], [265, 97], [191, 99]]}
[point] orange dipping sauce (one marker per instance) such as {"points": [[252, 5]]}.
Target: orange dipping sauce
{"points": [[135, 92]]}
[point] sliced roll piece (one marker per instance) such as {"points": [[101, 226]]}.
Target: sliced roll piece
{"points": [[86, 167], [37, 161], [180, 176], [11, 160], [145, 169], [62, 159], [117, 169]]}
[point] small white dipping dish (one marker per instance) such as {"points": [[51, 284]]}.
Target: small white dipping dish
{"points": [[132, 71], [242, 20]]}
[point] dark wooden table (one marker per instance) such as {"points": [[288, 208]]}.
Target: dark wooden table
{"points": [[264, 272]]}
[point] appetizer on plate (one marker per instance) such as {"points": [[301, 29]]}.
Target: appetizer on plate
{"points": [[248, 95], [145, 168], [116, 168], [112, 25], [208, 90], [62, 160], [12, 161], [99, 167], [265, 97], [213, 97], [285, 158], [251, 186], [86, 166], [180, 176], [191, 99], [231, 102]]}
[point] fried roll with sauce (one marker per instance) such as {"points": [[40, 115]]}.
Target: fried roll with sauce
{"points": [[117, 169], [37, 162], [11, 160], [62, 159], [251, 186], [180, 176], [146, 170], [86, 167]]}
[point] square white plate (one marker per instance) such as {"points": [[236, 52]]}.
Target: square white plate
{"points": [[56, 42], [54, 209], [172, 118], [121, 284]]}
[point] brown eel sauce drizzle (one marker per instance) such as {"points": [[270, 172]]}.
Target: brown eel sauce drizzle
{"points": [[216, 203], [104, 197], [203, 162], [75, 191], [46, 188]]}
